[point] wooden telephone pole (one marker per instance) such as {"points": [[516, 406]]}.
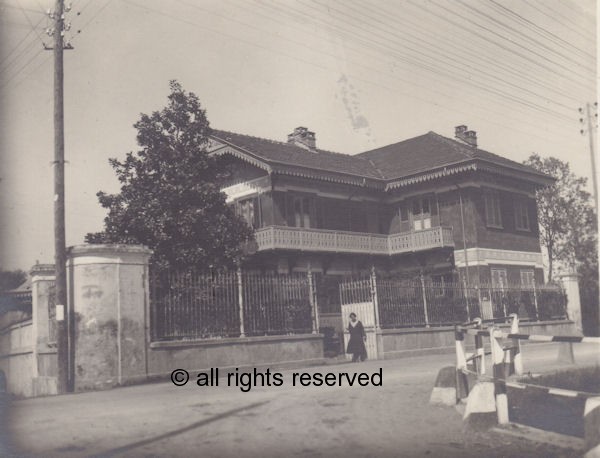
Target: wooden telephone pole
{"points": [[591, 125], [60, 255]]}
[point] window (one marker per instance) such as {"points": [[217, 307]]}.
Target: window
{"points": [[300, 208], [248, 210], [493, 215], [421, 212], [499, 278], [440, 284], [527, 278], [521, 216]]}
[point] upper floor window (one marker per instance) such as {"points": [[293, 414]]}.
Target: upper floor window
{"points": [[521, 215], [248, 210], [421, 213], [493, 215], [300, 210]]}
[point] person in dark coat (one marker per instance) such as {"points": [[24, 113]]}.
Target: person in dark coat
{"points": [[358, 337]]}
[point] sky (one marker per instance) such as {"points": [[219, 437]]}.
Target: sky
{"points": [[360, 74]]}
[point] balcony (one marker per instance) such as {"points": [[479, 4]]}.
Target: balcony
{"points": [[303, 239]]}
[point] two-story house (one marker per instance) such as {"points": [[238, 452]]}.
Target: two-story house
{"points": [[429, 204]]}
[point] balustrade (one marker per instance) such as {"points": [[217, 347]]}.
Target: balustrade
{"points": [[297, 238]]}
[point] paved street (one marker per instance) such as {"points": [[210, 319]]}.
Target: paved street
{"points": [[164, 420]]}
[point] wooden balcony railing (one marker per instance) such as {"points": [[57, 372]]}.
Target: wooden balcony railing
{"points": [[298, 238]]}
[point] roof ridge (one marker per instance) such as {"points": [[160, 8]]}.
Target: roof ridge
{"points": [[277, 142], [463, 148]]}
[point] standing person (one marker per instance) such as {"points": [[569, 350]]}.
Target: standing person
{"points": [[356, 344]]}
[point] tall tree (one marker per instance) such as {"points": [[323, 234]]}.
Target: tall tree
{"points": [[564, 212], [170, 198], [569, 232], [10, 279]]}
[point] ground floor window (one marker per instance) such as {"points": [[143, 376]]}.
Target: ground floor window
{"points": [[499, 278], [527, 278]]}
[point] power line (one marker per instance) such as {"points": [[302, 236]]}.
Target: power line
{"points": [[32, 26], [459, 65], [518, 32], [478, 57], [19, 44], [195, 25], [21, 68], [433, 69], [303, 13], [506, 39], [528, 2], [94, 16], [556, 38]]}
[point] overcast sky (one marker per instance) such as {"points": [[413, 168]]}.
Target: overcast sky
{"points": [[361, 74]]}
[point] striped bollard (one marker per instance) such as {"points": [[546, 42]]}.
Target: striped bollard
{"points": [[517, 361], [479, 350], [499, 372], [462, 386], [591, 422]]}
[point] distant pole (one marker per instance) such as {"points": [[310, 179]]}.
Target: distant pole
{"points": [[590, 129], [60, 257]]}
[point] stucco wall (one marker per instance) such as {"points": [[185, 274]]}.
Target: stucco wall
{"points": [[16, 358], [197, 356], [404, 342]]}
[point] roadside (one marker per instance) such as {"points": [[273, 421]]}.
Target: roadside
{"points": [[164, 420]]}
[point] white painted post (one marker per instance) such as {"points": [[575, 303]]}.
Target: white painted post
{"points": [[516, 344], [499, 378], [424, 301], [240, 300], [313, 301], [479, 350], [535, 302], [570, 282], [461, 363], [374, 297], [465, 292]]}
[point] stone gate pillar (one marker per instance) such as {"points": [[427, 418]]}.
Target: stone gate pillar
{"points": [[570, 282], [44, 370], [108, 298]]}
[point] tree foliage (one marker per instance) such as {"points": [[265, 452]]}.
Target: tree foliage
{"points": [[10, 279], [170, 198], [568, 231], [565, 215]]}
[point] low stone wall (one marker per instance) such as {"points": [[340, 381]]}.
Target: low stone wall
{"points": [[16, 358], [421, 341], [268, 351]]}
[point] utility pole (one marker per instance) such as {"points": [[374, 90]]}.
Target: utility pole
{"points": [[591, 125], [60, 255]]}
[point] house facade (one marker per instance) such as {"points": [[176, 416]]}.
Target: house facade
{"points": [[429, 205]]}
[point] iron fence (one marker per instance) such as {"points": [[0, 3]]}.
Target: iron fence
{"points": [[201, 305], [410, 303], [276, 304], [192, 305]]}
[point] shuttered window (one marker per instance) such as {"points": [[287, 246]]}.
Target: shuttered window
{"points": [[521, 215], [493, 214]]}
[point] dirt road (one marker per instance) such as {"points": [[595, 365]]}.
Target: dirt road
{"points": [[164, 420]]}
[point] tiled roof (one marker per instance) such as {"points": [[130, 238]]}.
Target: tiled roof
{"points": [[403, 159], [431, 151], [290, 154]]}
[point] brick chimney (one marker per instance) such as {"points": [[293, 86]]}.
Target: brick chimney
{"points": [[462, 134], [303, 138]]}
